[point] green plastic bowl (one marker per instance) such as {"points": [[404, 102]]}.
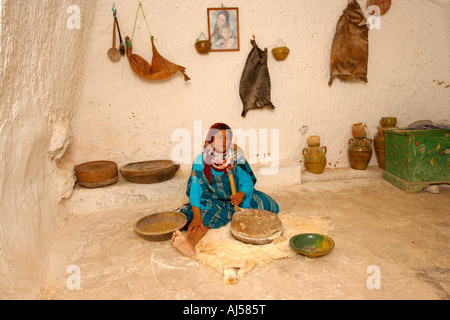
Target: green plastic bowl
{"points": [[312, 244]]}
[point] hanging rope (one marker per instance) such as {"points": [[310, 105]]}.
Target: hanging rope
{"points": [[279, 40], [145, 19], [202, 34], [160, 68]]}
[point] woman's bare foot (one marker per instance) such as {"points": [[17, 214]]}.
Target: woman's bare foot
{"points": [[183, 244]]}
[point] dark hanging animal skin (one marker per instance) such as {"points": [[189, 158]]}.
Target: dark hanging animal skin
{"points": [[255, 81], [350, 51]]}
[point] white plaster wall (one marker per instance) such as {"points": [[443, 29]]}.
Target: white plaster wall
{"points": [[40, 74], [124, 118]]}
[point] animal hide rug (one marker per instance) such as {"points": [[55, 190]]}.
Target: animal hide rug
{"points": [[350, 50], [255, 84], [219, 250]]}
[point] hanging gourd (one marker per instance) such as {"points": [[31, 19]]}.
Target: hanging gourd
{"points": [[280, 52], [160, 68]]}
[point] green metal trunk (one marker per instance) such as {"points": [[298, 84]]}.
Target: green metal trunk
{"points": [[416, 159]]}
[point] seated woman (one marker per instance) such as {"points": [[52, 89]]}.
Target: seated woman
{"points": [[212, 204]]}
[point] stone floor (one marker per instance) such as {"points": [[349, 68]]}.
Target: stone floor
{"points": [[381, 232]]}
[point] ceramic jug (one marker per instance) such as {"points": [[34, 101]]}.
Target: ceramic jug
{"points": [[359, 153], [315, 156], [359, 130], [378, 143], [388, 122], [380, 139]]}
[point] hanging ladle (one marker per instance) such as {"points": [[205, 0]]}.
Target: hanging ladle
{"points": [[114, 53], [122, 45]]}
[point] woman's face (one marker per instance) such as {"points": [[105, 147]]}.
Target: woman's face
{"points": [[221, 20], [222, 140]]}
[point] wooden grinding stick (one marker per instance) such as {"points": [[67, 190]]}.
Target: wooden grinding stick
{"points": [[233, 189]]}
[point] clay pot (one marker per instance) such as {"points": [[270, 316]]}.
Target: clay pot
{"points": [[388, 122], [379, 145], [379, 139], [203, 46], [359, 153], [359, 130], [315, 156]]}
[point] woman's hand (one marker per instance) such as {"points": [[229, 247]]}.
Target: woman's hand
{"points": [[196, 222], [237, 198]]}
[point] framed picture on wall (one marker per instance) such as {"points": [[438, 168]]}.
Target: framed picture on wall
{"points": [[223, 29]]}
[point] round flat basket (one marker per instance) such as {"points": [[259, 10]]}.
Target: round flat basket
{"points": [[147, 172], [97, 174], [254, 226], [160, 226]]}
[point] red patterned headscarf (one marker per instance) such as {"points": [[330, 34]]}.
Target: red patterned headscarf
{"points": [[220, 161]]}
